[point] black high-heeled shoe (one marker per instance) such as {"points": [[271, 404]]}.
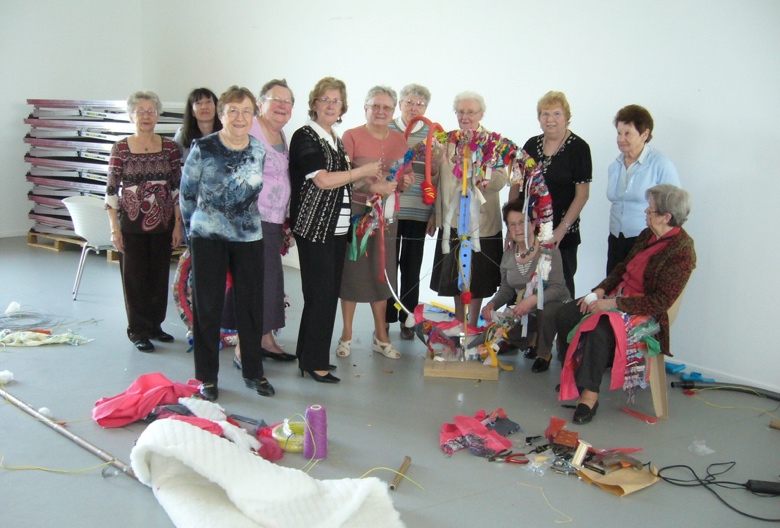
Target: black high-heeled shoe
{"points": [[327, 378], [278, 356]]}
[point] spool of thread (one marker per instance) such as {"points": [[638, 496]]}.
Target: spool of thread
{"points": [[315, 441], [579, 453]]}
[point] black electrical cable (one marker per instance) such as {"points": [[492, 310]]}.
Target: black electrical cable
{"points": [[709, 482], [746, 389]]}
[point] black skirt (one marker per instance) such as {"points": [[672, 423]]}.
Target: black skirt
{"points": [[485, 267]]}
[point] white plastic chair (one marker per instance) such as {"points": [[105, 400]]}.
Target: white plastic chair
{"points": [[90, 221]]}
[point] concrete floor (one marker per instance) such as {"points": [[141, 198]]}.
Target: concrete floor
{"points": [[380, 412]]}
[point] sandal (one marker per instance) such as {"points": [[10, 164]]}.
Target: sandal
{"points": [[344, 348], [386, 349]]}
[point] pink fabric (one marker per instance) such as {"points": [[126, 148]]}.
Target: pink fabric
{"points": [[275, 195], [143, 395], [568, 384]]}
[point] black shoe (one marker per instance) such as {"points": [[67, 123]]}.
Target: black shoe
{"points": [[407, 333], [332, 367], [144, 345], [261, 385], [163, 337], [540, 365], [236, 362], [584, 414], [278, 356], [505, 347], [327, 378], [531, 354], [209, 392]]}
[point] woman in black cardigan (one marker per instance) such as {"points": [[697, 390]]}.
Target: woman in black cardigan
{"points": [[322, 179]]}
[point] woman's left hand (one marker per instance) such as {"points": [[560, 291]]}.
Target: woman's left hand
{"points": [[178, 235], [406, 181], [558, 234], [524, 307]]}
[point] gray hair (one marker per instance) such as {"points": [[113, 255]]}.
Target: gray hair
{"points": [[379, 90], [416, 90], [137, 97], [466, 96], [270, 85], [670, 199]]}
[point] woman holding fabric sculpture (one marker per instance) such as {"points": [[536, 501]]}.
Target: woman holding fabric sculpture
{"points": [[322, 179], [521, 279], [414, 215], [484, 222], [373, 203], [631, 302], [568, 169]]}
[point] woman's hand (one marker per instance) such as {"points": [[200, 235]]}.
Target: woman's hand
{"points": [[383, 187], [369, 169], [601, 305], [584, 306], [487, 312], [117, 240], [178, 235], [558, 233], [525, 306], [406, 181], [430, 229]]}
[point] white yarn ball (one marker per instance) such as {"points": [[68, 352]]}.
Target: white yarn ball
{"points": [[6, 376], [46, 412]]}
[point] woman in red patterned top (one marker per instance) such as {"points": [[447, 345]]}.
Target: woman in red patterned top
{"points": [[142, 200]]}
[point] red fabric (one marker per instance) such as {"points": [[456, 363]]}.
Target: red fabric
{"points": [[633, 282], [270, 449], [568, 384], [143, 395]]}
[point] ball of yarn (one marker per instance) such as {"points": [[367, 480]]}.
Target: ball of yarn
{"points": [[46, 412], [6, 376], [429, 193]]}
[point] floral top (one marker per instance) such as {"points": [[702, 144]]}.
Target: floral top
{"points": [[144, 187], [219, 190]]}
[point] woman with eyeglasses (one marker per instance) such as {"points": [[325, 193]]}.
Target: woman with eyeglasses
{"points": [[276, 102], [322, 179], [568, 170], [219, 191], [200, 119], [415, 219], [142, 192], [638, 167], [520, 287], [469, 108], [361, 283], [626, 315]]}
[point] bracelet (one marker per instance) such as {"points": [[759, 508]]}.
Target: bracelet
{"points": [[350, 175], [117, 230], [178, 219], [567, 224]]}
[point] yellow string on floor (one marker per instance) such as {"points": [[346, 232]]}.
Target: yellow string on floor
{"points": [[553, 508]]}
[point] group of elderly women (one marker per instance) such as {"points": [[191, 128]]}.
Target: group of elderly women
{"points": [[241, 181]]}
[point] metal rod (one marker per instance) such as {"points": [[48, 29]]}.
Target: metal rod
{"points": [[92, 448], [401, 473]]}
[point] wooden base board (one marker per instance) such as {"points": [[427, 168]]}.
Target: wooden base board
{"points": [[460, 370]]}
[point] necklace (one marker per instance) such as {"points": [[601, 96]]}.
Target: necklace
{"points": [[546, 160], [520, 256]]}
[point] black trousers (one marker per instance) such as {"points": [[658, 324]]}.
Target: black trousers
{"points": [[617, 250], [543, 324], [210, 262], [569, 259], [409, 248], [145, 266], [322, 265], [597, 346]]}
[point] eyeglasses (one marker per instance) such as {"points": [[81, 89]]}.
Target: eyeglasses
{"points": [[556, 115], [234, 112], [203, 103], [418, 104], [652, 211], [513, 225], [327, 102], [377, 108], [467, 113], [279, 101], [141, 113]]}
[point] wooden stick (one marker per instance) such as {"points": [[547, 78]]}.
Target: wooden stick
{"points": [[774, 424], [401, 473]]}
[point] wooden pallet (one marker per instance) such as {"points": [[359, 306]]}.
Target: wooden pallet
{"points": [[460, 370], [52, 242]]}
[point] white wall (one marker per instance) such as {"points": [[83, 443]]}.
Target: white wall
{"points": [[708, 71]]}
